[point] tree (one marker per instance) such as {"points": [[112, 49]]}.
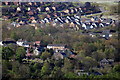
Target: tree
{"points": [[15, 69], [56, 73], [58, 63], [116, 68], [89, 48], [6, 67], [20, 53], [14, 36], [109, 52], [70, 75], [89, 62], [87, 4], [45, 55], [7, 53], [24, 71], [45, 69], [98, 55], [37, 66], [67, 66]]}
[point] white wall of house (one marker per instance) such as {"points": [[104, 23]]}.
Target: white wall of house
{"points": [[103, 35], [110, 35], [1, 43], [36, 52], [91, 26], [20, 43], [18, 9], [83, 25], [101, 25], [49, 47], [26, 45]]}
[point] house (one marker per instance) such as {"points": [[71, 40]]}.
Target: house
{"points": [[104, 62], [29, 53], [56, 46], [54, 8], [18, 9], [96, 73], [14, 24], [82, 72], [37, 43], [101, 24], [1, 44], [96, 19], [66, 11], [87, 26], [47, 9], [9, 42], [5, 17], [111, 61], [108, 21], [64, 54], [106, 35], [36, 51], [34, 21], [72, 56], [57, 56], [92, 34], [20, 42], [26, 44]]}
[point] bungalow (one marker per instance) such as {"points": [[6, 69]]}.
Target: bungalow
{"points": [[54, 8], [47, 9], [102, 25], [71, 11], [69, 18], [15, 3], [34, 21], [30, 13], [72, 25], [5, 17], [107, 21], [95, 24], [47, 21], [66, 11], [28, 9], [78, 17], [14, 24], [21, 22], [92, 34], [106, 35], [87, 26], [39, 9], [56, 46]]}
